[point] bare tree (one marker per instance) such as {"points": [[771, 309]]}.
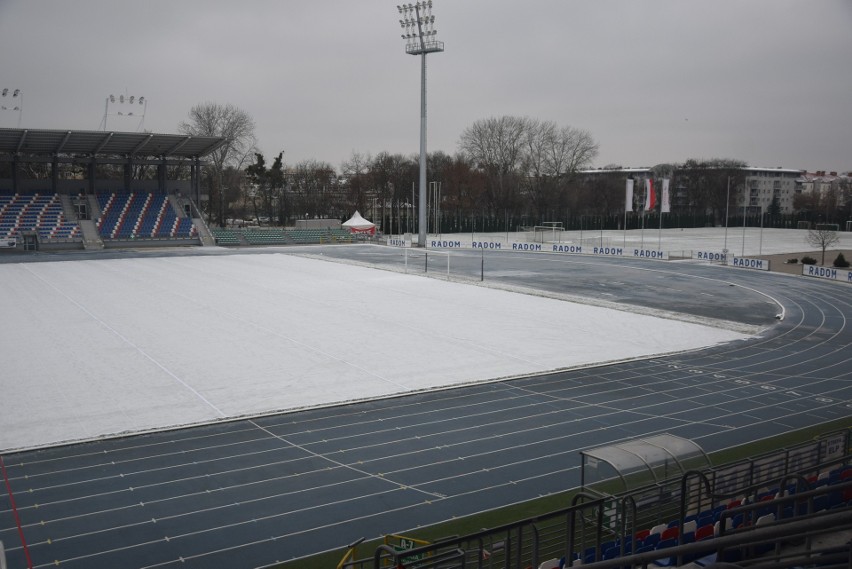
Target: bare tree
{"points": [[313, 187], [539, 139], [572, 149], [844, 185], [356, 172], [496, 146], [602, 194], [526, 157], [826, 199], [706, 183], [391, 177], [552, 156], [237, 128], [823, 237]]}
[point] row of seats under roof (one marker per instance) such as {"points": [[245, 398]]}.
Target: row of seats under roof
{"points": [[37, 212], [138, 214]]}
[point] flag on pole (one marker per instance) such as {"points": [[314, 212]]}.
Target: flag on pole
{"points": [[628, 196], [666, 201], [650, 197]]}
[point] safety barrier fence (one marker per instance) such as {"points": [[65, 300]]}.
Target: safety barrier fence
{"points": [[595, 519], [517, 546]]}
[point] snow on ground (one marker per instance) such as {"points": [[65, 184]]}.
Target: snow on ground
{"points": [[99, 347]]}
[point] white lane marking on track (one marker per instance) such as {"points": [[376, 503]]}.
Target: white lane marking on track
{"points": [[336, 462]]}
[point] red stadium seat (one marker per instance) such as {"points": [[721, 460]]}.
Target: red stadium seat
{"points": [[704, 532]]}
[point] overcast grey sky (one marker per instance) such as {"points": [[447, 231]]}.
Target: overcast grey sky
{"points": [[765, 81]]}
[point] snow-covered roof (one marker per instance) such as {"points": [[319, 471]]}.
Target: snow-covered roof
{"points": [[778, 169]]}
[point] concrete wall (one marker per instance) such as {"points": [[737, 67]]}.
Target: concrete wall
{"points": [[324, 223]]}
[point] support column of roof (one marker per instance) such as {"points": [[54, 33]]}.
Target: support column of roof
{"points": [[161, 174], [55, 161], [193, 181]]}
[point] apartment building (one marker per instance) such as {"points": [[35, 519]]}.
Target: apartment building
{"points": [[763, 185]]}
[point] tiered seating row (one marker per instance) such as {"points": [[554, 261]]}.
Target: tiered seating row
{"points": [[303, 236], [130, 215], [706, 524], [224, 236], [340, 234], [306, 236], [35, 212], [183, 227], [265, 236], [273, 236]]}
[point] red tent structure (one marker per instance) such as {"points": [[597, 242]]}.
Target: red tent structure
{"points": [[357, 224]]}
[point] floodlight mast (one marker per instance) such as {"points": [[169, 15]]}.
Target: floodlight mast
{"points": [[419, 25], [126, 104]]}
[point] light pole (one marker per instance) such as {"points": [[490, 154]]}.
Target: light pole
{"points": [[17, 102], [127, 107], [419, 25]]}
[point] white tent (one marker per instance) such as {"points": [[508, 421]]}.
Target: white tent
{"points": [[357, 224]]}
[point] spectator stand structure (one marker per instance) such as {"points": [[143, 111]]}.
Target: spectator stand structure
{"points": [[648, 504], [65, 189], [227, 236]]}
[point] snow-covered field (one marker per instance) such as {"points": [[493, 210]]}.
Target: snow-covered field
{"points": [[99, 347]]}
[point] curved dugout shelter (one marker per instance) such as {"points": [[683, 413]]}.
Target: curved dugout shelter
{"points": [[620, 467]]}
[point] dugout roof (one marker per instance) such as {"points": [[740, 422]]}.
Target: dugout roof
{"points": [[106, 143], [643, 461]]}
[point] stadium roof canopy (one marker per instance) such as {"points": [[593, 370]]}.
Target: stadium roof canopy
{"points": [[106, 143]]}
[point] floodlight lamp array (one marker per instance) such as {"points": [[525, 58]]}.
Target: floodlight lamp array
{"points": [[418, 24], [125, 106], [126, 100], [14, 94]]}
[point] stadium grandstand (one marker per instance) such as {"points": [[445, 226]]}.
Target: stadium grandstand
{"points": [[66, 189], [659, 502]]}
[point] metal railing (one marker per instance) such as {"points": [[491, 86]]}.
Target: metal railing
{"points": [[736, 547], [593, 519]]}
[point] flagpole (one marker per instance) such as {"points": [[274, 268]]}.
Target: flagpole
{"points": [[727, 204], [628, 205], [646, 206], [665, 207], [745, 198]]}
